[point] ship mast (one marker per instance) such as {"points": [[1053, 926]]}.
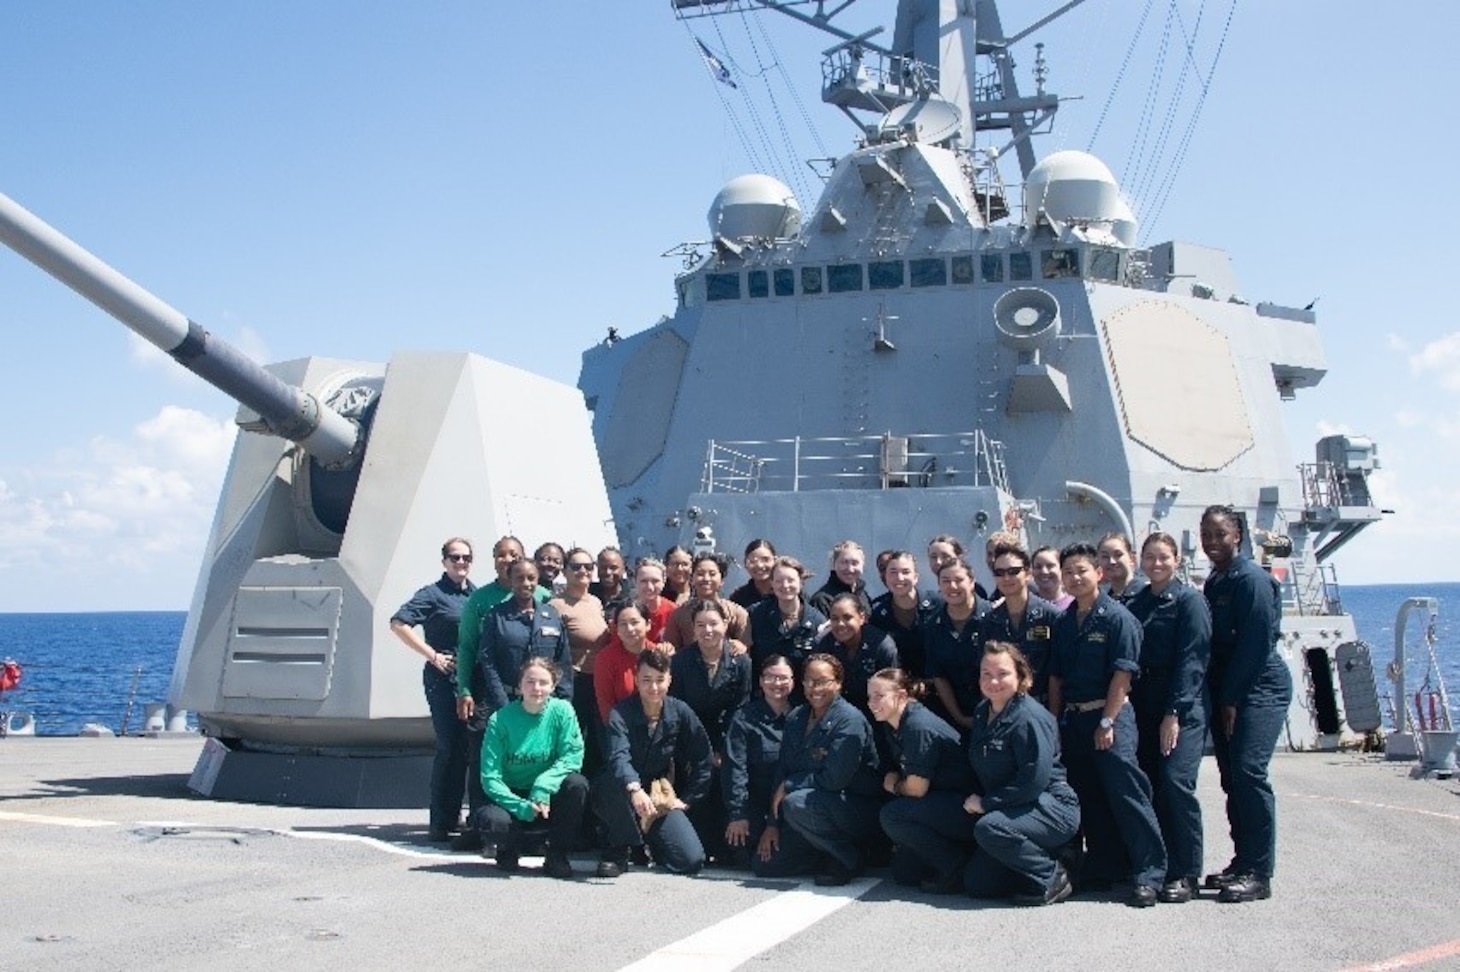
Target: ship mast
{"points": [[934, 56]]}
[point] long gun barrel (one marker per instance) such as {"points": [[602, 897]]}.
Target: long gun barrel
{"points": [[289, 412]]}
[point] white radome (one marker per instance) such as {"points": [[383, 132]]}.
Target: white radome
{"points": [[1077, 186], [755, 207]]}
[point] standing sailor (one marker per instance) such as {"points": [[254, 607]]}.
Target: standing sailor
{"points": [[1172, 707], [1251, 690], [1097, 650]]}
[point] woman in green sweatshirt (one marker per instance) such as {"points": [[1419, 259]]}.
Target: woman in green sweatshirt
{"points": [[531, 757]]}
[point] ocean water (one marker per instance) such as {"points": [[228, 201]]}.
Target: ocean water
{"points": [[81, 668]]}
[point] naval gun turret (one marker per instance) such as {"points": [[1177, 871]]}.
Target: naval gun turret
{"points": [[328, 520]]}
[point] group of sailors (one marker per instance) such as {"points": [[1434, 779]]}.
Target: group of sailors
{"points": [[1031, 741]]}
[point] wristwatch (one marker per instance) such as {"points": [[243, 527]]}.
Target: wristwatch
{"points": [[1106, 722]]}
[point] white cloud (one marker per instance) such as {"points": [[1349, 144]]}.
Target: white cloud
{"points": [[118, 513], [188, 438], [1325, 428], [1408, 418], [1384, 487], [1440, 358], [1396, 342], [1440, 423]]}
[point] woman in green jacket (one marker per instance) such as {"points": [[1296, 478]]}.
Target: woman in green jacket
{"points": [[531, 758]]}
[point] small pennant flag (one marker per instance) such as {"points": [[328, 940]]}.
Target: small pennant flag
{"points": [[717, 67]]}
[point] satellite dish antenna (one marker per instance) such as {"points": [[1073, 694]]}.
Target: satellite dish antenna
{"points": [[929, 120]]}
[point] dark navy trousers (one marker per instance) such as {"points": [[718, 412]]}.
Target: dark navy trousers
{"points": [[838, 825], [585, 704], [1122, 837], [1016, 846], [475, 729], [1242, 763], [934, 829], [671, 839], [1173, 777], [448, 768], [565, 817]]}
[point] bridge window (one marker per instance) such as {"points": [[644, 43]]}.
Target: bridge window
{"points": [[785, 281], [1105, 265], [885, 274], [722, 286], [1054, 264], [991, 265], [932, 272], [810, 280], [1021, 266], [843, 277], [963, 269], [758, 283]]}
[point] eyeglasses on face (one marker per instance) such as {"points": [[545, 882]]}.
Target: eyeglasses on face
{"points": [[821, 682], [575, 565], [1008, 571], [459, 558]]}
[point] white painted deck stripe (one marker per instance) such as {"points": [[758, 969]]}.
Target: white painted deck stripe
{"points": [[1376, 806], [52, 821], [383, 845], [372, 842], [738, 939], [1413, 960]]}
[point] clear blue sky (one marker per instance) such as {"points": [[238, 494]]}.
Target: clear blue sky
{"points": [[350, 179]]}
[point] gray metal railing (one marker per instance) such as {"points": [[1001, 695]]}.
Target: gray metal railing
{"points": [[886, 461]]}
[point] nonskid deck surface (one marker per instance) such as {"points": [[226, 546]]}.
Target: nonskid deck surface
{"points": [[110, 863]]}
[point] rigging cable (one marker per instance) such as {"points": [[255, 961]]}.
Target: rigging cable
{"points": [[1089, 44], [1163, 192], [795, 95], [1173, 104], [1120, 75], [793, 174], [1135, 161], [772, 158], [745, 143]]}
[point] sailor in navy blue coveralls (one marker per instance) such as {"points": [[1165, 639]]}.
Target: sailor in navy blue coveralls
{"points": [[436, 608], [1171, 697], [826, 798], [1251, 690], [672, 745], [1096, 654], [953, 648], [1028, 809], [515, 630], [1021, 617], [905, 625], [926, 770]]}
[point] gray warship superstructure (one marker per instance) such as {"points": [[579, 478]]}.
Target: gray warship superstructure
{"points": [[921, 353]]}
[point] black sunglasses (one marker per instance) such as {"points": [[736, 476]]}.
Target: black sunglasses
{"points": [[459, 558]]}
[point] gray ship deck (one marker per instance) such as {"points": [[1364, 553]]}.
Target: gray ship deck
{"points": [[110, 864]]}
